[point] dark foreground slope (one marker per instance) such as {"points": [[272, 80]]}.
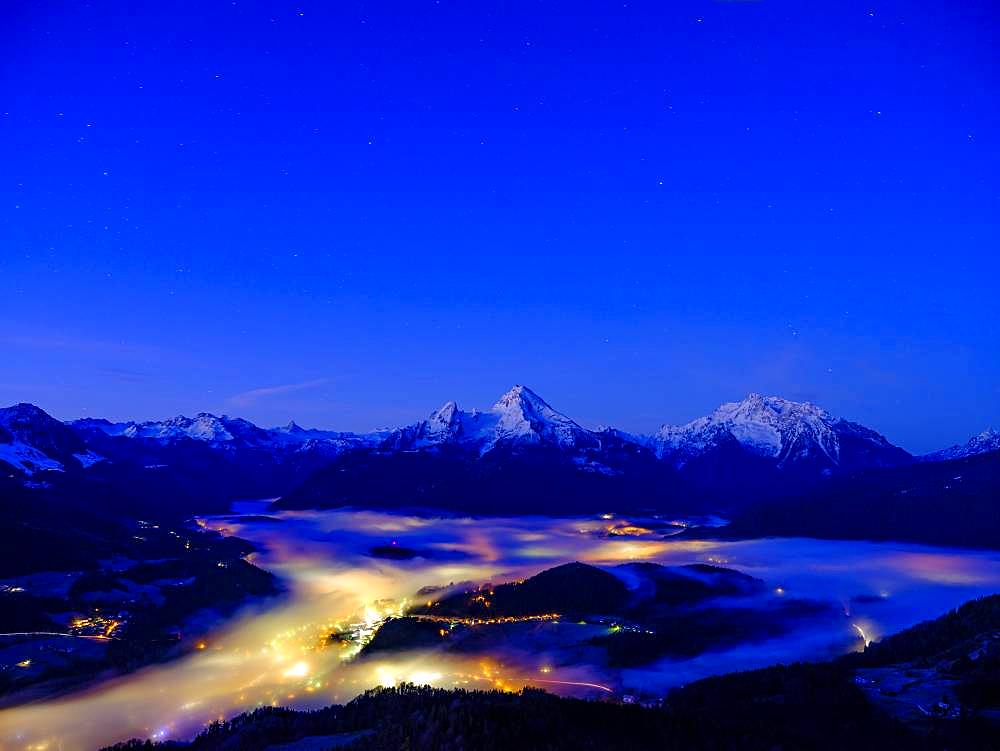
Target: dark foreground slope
{"points": [[803, 706], [409, 717]]}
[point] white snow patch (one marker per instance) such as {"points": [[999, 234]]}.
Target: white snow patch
{"points": [[88, 459], [27, 458]]}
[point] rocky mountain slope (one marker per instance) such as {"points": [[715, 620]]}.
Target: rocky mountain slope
{"points": [[784, 432]]}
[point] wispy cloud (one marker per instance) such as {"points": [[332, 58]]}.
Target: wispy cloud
{"points": [[253, 396]]}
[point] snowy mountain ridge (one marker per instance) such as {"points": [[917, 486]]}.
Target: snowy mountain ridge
{"points": [[767, 426], [988, 440], [518, 418], [222, 430], [772, 431]]}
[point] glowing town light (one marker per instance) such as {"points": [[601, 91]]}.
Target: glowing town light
{"points": [[424, 677], [385, 677], [298, 670]]}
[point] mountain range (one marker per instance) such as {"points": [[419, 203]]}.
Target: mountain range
{"points": [[520, 453]]}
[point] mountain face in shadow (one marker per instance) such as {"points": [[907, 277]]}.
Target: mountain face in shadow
{"points": [[775, 466], [943, 503]]}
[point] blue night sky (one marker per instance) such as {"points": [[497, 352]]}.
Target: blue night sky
{"points": [[345, 213]]}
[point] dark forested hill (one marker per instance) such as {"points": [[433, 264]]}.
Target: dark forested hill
{"points": [[940, 503]]}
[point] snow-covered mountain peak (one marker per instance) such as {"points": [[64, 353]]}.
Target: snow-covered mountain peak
{"points": [[518, 417], [518, 395], [984, 443], [522, 404], [759, 408], [772, 427], [202, 427], [230, 434], [524, 416], [208, 428], [444, 424], [445, 413]]}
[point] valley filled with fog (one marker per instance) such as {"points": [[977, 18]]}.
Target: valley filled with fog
{"points": [[346, 572]]}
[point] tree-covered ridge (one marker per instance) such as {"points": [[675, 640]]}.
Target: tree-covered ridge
{"points": [[410, 717], [932, 639]]}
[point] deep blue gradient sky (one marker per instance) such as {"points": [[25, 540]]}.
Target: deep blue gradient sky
{"points": [[346, 213]]}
